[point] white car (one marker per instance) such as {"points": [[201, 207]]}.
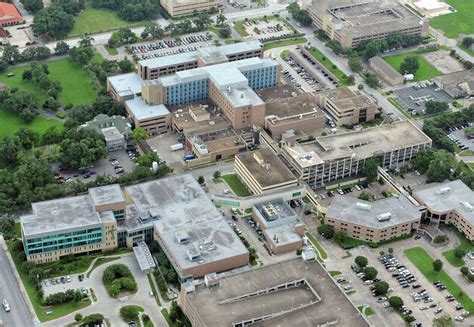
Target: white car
{"points": [[6, 306], [459, 318]]}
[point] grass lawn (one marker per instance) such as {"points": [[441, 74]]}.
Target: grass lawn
{"points": [[464, 244], [335, 273], [76, 84], [465, 153], [366, 310], [423, 261], [101, 261], [470, 165], [240, 25], [343, 79], [153, 289], [460, 22], [112, 51], [93, 20], [319, 249], [468, 50], [283, 43], [351, 292], [11, 123], [426, 71], [58, 310], [236, 185]]}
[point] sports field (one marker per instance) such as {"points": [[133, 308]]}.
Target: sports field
{"points": [[460, 22], [426, 71], [76, 84]]}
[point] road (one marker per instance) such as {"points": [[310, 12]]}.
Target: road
{"points": [[443, 40], [9, 290]]}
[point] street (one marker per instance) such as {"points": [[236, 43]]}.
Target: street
{"points": [[9, 290]]}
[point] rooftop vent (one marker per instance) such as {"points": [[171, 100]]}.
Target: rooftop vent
{"points": [[384, 216], [467, 206], [207, 245], [193, 254], [363, 206], [443, 190], [182, 237]]}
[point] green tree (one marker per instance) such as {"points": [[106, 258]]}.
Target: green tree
{"points": [[326, 231], [221, 19], [130, 312], [355, 64], [370, 169], [464, 270], [201, 180], [370, 273], [390, 250], [28, 138], [372, 80], [9, 149], [147, 160], [459, 252], [395, 302], [381, 287], [92, 320], [437, 265], [440, 166], [78, 317], [364, 195], [32, 6], [52, 22], [410, 65], [434, 107], [361, 261], [61, 48], [217, 174], [139, 134], [422, 160], [125, 65], [443, 321]]}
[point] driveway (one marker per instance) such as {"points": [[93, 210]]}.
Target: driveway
{"points": [[110, 307]]}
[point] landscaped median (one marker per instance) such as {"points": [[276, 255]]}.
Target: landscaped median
{"points": [[319, 56], [424, 262], [322, 255]]}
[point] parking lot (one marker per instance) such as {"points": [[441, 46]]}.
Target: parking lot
{"points": [[162, 144], [457, 136], [114, 164], [413, 98], [157, 49], [267, 29], [297, 69]]}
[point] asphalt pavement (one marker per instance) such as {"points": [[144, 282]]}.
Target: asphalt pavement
{"points": [[9, 290]]}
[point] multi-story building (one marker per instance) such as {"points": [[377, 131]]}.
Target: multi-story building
{"points": [[116, 130], [457, 84], [177, 8], [9, 15], [334, 157], [280, 224], [155, 119], [448, 203], [175, 211], [169, 65], [351, 22], [375, 221], [348, 107], [261, 171]]}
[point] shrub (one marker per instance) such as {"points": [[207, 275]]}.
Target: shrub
{"points": [[118, 278], [361, 261], [440, 239], [92, 319], [395, 302], [326, 231], [130, 313]]}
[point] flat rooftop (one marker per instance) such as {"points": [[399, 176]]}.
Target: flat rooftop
{"points": [[143, 256], [359, 144], [345, 98], [275, 210], [324, 302], [293, 106], [453, 195], [275, 93], [266, 168], [182, 207], [56, 215], [107, 194], [361, 17], [126, 84], [457, 77], [142, 111], [111, 133], [376, 214], [209, 54]]}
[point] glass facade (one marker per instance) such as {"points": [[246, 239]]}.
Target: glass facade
{"points": [[64, 241], [261, 78], [122, 239], [187, 92]]}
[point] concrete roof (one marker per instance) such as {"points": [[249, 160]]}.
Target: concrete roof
{"points": [[183, 206], [143, 256], [275, 212], [111, 133], [277, 174], [361, 17], [60, 214], [106, 194], [388, 70], [285, 234], [126, 84], [293, 106], [100, 121], [442, 197], [332, 306], [365, 213], [360, 144], [142, 111], [224, 51], [345, 98]]}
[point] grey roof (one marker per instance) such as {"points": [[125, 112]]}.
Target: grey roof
{"points": [[107, 194], [453, 195], [126, 84], [388, 70], [219, 53], [112, 133], [122, 123], [56, 215], [142, 111], [183, 206], [398, 210], [143, 256], [359, 144], [275, 213]]}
